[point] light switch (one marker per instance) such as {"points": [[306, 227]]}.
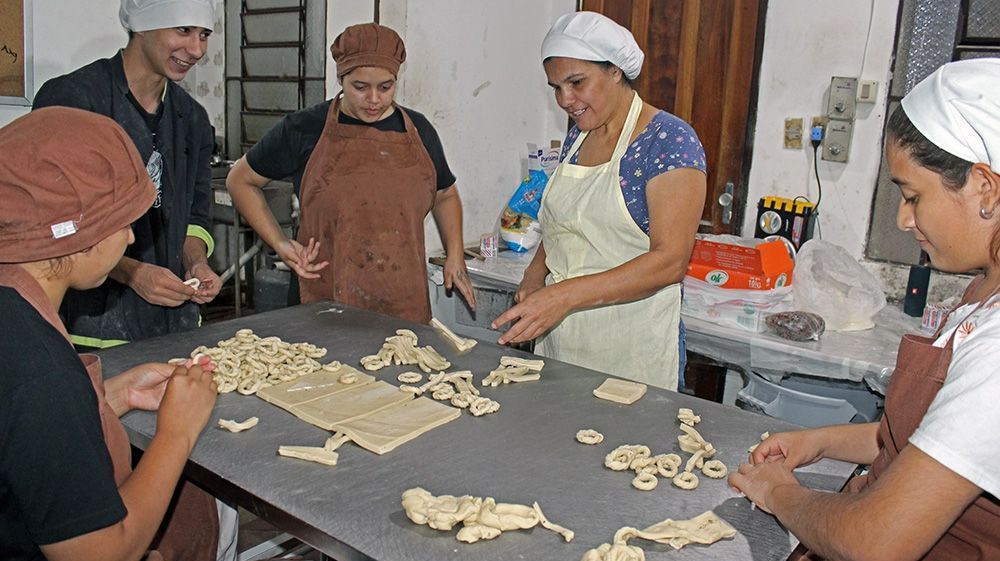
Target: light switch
{"points": [[843, 97], [867, 91]]}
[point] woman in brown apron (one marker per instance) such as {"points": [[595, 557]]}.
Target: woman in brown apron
{"points": [[931, 489], [72, 183], [366, 181]]}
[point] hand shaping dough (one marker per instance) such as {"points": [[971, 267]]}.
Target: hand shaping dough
{"points": [[620, 391], [460, 343], [763, 437], [589, 436], [481, 518], [233, 426]]}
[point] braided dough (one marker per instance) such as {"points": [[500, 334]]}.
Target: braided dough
{"points": [[688, 417], [401, 348], [410, 377], [589, 436], [481, 518]]}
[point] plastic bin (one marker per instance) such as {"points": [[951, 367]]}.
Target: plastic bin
{"points": [[809, 402]]}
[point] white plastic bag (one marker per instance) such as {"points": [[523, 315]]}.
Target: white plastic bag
{"points": [[831, 283]]}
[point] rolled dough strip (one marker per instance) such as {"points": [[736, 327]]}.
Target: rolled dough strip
{"points": [[233, 426]]}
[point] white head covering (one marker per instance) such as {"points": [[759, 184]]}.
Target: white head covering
{"points": [[145, 15], [958, 109], [592, 36]]}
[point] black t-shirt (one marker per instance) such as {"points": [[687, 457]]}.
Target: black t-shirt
{"points": [[56, 476], [285, 149]]}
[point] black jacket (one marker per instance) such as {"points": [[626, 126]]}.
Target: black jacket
{"points": [[184, 137]]}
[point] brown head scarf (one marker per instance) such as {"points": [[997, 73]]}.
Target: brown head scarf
{"points": [[68, 179], [368, 44]]}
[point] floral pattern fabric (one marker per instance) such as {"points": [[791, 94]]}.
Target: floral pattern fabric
{"points": [[667, 143]]}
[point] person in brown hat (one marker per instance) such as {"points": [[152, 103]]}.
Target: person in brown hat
{"points": [[367, 172], [72, 183]]}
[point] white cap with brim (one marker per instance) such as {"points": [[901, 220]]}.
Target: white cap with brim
{"points": [[594, 37], [146, 15], [957, 108]]}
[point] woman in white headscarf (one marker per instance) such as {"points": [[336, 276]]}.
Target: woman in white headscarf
{"points": [[931, 491], [618, 216]]}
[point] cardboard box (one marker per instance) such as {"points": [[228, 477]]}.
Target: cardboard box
{"points": [[764, 267]]}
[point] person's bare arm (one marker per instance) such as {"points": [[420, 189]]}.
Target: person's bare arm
{"points": [[154, 284], [856, 443], [195, 260], [447, 213], [898, 517], [245, 186], [675, 201], [187, 404]]}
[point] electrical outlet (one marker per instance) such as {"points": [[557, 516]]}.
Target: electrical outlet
{"points": [[819, 122], [793, 133], [837, 141], [843, 98], [867, 91]]}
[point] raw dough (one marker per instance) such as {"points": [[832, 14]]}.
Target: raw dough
{"points": [[410, 377], [385, 430], [401, 348], [615, 552], [714, 469], [706, 529], [645, 481], [620, 391], [688, 417], [589, 436], [686, 480], [358, 401], [310, 453], [483, 406], [481, 518], [535, 365], [313, 386], [193, 282], [233, 426], [247, 363], [460, 343], [621, 458]]}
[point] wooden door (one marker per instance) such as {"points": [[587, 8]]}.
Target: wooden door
{"points": [[701, 65]]}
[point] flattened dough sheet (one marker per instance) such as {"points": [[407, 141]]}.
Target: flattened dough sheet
{"points": [[312, 386], [332, 410], [384, 430]]}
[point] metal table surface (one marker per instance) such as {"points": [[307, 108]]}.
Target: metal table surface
{"points": [[526, 452]]}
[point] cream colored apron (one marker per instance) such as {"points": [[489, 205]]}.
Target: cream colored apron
{"points": [[587, 229]]}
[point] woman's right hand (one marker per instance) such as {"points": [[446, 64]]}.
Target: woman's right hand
{"points": [[187, 404], [300, 259], [793, 449]]}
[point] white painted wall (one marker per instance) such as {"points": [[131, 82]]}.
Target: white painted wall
{"points": [[806, 43], [473, 69], [66, 36]]}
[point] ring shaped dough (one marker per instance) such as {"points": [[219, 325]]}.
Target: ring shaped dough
{"points": [[714, 469], [686, 480], [589, 436], [645, 481], [410, 377]]}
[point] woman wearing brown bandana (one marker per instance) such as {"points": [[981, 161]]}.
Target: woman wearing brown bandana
{"points": [[367, 172], [72, 183]]}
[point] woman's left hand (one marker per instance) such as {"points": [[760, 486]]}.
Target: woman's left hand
{"points": [[147, 382], [210, 285], [456, 276], [758, 482], [537, 314]]}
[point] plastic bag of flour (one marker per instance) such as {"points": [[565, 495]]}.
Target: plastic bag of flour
{"points": [[519, 227]]}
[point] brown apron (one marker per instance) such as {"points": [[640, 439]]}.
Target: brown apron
{"points": [[920, 372], [190, 530], [365, 194]]}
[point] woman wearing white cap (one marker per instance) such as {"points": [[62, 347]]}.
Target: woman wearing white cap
{"points": [[618, 216], [931, 491], [146, 295]]}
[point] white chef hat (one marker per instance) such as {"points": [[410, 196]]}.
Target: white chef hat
{"points": [[592, 36], [144, 15], [958, 109]]}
